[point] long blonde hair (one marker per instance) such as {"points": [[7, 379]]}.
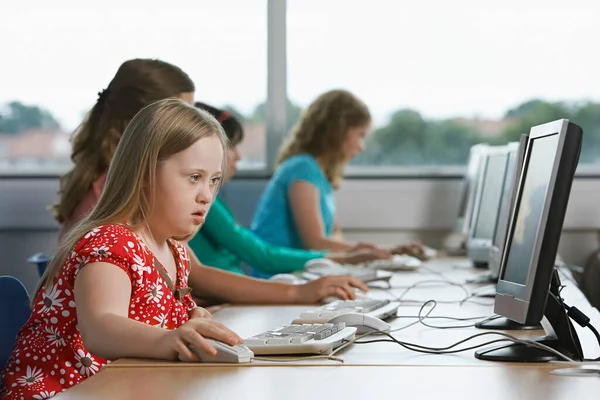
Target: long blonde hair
{"points": [[136, 84], [322, 129], [157, 132]]}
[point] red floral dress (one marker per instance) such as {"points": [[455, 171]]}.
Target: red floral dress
{"points": [[49, 355]]}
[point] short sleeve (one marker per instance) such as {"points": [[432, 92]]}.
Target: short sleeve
{"points": [[302, 168], [111, 244]]}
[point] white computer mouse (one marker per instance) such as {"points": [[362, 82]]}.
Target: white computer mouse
{"points": [[225, 353], [287, 278], [363, 323]]}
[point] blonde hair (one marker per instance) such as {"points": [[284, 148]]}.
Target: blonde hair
{"points": [[136, 84], [158, 131], [322, 130]]}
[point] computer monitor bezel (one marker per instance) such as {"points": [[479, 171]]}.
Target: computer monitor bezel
{"points": [[510, 184], [525, 303], [478, 247], [469, 189]]}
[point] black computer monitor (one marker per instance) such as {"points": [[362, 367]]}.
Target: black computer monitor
{"points": [[524, 292], [516, 153], [487, 204], [469, 189]]}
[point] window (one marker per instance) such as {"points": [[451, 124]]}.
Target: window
{"points": [[63, 54], [437, 78], [440, 78]]}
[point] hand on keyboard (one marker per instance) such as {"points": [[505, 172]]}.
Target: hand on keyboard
{"points": [[376, 250], [414, 249], [193, 333], [340, 286], [358, 256]]}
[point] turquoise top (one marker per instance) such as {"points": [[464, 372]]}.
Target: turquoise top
{"points": [[273, 220]]}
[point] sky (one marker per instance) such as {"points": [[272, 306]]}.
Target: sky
{"points": [[445, 59]]}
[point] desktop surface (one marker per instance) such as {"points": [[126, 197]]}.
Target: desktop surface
{"points": [[363, 382], [387, 367]]}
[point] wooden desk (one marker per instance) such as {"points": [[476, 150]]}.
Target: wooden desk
{"points": [[387, 367], [449, 383]]}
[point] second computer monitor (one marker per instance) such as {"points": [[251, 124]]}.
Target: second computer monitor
{"points": [[469, 189], [487, 203], [514, 164]]}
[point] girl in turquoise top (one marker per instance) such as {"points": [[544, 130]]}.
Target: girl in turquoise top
{"points": [[297, 208], [224, 244]]}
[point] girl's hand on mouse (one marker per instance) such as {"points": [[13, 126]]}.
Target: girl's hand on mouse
{"points": [[194, 332], [340, 286]]}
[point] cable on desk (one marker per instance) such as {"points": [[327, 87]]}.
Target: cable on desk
{"points": [[429, 281], [447, 350]]}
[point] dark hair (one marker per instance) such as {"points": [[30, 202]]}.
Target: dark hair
{"points": [[231, 125], [136, 84]]}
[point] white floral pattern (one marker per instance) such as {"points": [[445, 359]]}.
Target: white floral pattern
{"points": [[161, 319], [100, 252], [54, 338], [44, 395], [32, 376], [85, 363], [155, 294], [92, 233], [140, 268], [50, 300]]}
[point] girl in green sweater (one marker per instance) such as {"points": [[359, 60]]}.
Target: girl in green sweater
{"points": [[225, 244]]}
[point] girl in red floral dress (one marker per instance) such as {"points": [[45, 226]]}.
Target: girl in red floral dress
{"points": [[118, 285]]}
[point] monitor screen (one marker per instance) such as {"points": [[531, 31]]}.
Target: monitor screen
{"points": [[530, 206], [491, 194], [469, 189], [504, 208]]}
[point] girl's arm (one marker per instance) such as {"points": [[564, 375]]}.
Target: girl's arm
{"points": [[102, 295], [223, 231], [234, 288], [304, 203], [215, 283]]}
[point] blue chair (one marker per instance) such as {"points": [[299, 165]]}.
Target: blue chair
{"points": [[15, 310], [41, 261]]}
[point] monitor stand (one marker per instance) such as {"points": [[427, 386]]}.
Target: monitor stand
{"points": [[561, 336], [505, 324]]}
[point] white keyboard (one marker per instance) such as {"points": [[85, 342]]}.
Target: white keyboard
{"points": [[301, 339], [317, 271], [398, 262], [381, 309]]}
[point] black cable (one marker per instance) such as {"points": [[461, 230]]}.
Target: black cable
{"points": [[447, 282], [576, 315], [421, 318], [447, 350], [432, 351], [440, 317]]}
